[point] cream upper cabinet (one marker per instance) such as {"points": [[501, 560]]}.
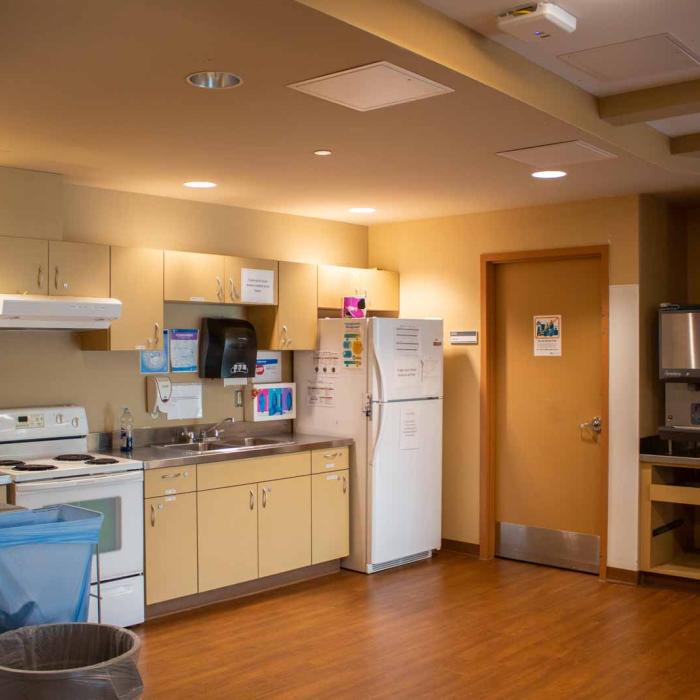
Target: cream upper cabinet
{"points": [[78, 269], [227, 532], [249, 287], [330, 516], [297, 311], [24, 266], [379, 287], [194, 277], [137, 281], [170, 547], [284, 525]]}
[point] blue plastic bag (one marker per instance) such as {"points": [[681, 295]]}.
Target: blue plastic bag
{"points": [[45, 565]]}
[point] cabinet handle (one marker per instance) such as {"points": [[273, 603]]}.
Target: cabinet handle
{"points": [[345, 484], [156, 334], [153, 515], [219, 289], [40, 277], [233, 292], [252, 499], [331, 455], [264, 498], [55, 279], [171, 476]]}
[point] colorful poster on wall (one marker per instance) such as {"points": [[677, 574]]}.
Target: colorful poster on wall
{"points": [[547, 336], [184, 353], [155, 361], [352, 346]]}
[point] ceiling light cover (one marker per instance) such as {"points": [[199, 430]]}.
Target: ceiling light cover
{"points": [[199, 184], [548, 174], [323, 152], [214, 80], [362, 210]]}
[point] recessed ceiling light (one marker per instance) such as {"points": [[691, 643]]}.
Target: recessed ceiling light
{"points": [[199, 184], [362, 210], [323, 152], [214, 80], [548, 174]]}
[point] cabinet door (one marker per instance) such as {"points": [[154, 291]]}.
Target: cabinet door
{"points": [[137, 281], [330, 516], [297, 311], [78, 269], [227, 532], [335, 282], [194, 277], [284, 525], [382, 289], [234, 283], [24, 266], [171, 547]]}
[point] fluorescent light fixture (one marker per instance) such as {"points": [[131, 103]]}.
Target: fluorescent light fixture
{"points": [[548, 174], [362, 210], [323, 152], [214, 80], [199, 185]]}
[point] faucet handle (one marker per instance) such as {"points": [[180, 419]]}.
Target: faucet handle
{"points": [[187, 434]]}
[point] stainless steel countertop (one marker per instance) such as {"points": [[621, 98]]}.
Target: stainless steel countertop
{"points": [[5, 480], [671, 461], [155, 457]]}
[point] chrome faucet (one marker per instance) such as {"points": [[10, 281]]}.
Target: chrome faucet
{"points": [[216, 429]]}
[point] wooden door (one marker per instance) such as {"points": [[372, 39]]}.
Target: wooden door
{"points": [[549, 467], [137, 281], [194, 277], [284, 525], [78, 269], [171, 547], [297, 311], [330, 516], [233, 278], [24, 266], [382, 288], [227, 532]]}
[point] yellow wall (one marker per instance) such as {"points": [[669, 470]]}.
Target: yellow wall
{"points": [[438, 260], [692, 228], [48, 367]]}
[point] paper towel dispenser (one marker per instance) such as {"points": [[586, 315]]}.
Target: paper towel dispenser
{"points": [[227, 348]]}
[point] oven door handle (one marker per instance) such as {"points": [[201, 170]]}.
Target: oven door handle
{"points": [[55, 484]]}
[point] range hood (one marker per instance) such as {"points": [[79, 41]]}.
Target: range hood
{"points": [[21, 311]]}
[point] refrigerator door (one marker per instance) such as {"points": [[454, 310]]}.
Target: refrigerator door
{"points": [[405, 358], [405, 480]]}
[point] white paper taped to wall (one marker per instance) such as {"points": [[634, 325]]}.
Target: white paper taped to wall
{"points": [[185, 401]]}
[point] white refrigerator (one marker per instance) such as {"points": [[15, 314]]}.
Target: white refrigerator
{"points": [[379, 381]]}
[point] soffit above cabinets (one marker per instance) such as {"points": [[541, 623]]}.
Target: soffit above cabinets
{"points": [[373, 86], [558, 154]]}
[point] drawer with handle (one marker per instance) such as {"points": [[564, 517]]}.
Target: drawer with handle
{"points": [[169, 481], [330, 459]]}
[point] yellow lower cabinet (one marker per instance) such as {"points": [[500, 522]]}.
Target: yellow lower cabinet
{"points": [[171, 547], [284, 525], [228, 536], [330, 516]]}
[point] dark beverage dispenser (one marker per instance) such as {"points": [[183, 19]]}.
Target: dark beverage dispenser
{"points": [[227, 348]]}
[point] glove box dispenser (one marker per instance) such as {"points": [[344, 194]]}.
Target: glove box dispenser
{"points": [[266, 402]]}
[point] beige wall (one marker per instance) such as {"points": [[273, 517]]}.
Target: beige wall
{"points": [[438, 260], [662, 278], [49, 367], [692, 227]]}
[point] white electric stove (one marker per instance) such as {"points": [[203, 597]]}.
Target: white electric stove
{"points": [[44, 452]]}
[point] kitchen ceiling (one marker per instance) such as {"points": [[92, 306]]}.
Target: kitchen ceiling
{"points": [[618, 46], [97, 92]]}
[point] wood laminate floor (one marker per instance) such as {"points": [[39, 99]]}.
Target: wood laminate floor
{"points": [[452, 627]]}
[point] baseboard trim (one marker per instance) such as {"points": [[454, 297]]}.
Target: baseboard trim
{"points": [[241, 590], [614, 575], [469, 548]]}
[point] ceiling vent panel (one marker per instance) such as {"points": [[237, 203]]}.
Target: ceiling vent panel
{"points": [[652, 57], [565, 153], [373, 86]]}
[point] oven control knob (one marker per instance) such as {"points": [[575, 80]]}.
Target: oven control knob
{"points": [[59, 418], [75, 422]]}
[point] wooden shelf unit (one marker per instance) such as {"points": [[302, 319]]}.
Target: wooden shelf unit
{"points": [[669, 519]]}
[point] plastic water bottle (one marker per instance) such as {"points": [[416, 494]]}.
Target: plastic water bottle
{"points": [[126, 438]]}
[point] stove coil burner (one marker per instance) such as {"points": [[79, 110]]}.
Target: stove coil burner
{"points": [[102, 460], [34, 467], [73, 458], [11, 462]]}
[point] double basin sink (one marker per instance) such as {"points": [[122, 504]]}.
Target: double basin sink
{"points": [[231, 445]]}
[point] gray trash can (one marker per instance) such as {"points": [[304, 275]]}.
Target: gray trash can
{"points": [[78, 661]]}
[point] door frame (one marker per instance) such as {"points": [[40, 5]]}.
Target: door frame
{"points": [[487, 484]]}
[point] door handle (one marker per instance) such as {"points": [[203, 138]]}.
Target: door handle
{"points": [[595, 425]]}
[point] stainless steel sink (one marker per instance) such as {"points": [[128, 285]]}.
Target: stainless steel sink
{"points": [[198, 446], [231, 445], [255, 441]]}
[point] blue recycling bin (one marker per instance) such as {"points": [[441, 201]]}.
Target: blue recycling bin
{"points": [[45, 565]]}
